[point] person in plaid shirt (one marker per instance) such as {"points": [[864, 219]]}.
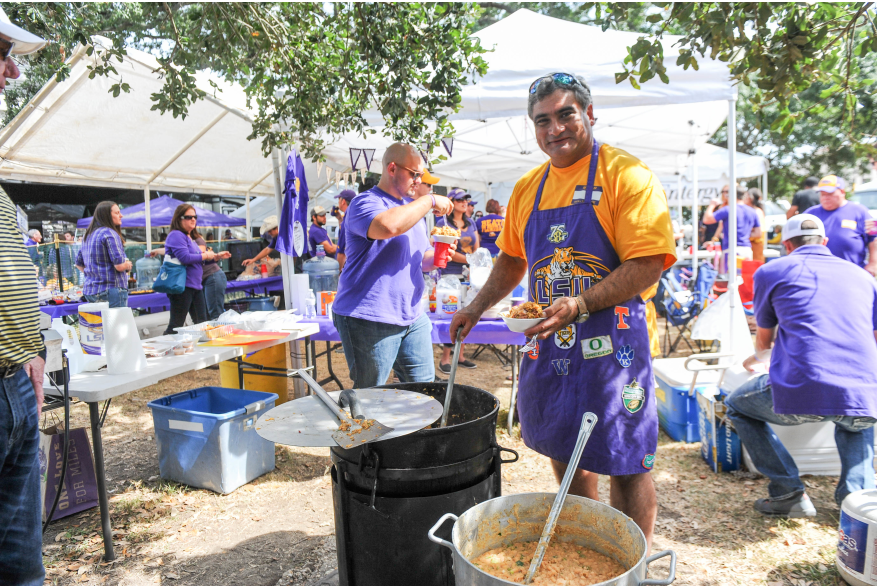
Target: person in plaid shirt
{"points": [[102, 258]]}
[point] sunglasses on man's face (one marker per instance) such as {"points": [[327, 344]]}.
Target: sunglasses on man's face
{"points": [[190, 217], [417, 174], [6, 48]]}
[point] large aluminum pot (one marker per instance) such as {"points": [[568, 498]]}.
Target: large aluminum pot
{"points": [[521, 517]]}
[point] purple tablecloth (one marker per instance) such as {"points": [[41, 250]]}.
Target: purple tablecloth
{"points": [[158, 302], [485, 332]]}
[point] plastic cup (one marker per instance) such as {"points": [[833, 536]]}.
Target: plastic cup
{"points": [[443, 250]]}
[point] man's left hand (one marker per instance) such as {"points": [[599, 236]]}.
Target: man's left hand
{"points": [[558, 315], [35, 371]]}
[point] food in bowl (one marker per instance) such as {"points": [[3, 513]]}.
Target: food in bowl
{"points": [[565, 563], [445, 231], [525, 311]]}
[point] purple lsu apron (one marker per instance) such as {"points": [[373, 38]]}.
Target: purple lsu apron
{"points": [[602, 365]]}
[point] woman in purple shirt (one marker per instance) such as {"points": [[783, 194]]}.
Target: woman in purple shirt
{"points": [[102, 258], [180, 245]]}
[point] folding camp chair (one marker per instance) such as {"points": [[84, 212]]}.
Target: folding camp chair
{"points": [[683, 306]]}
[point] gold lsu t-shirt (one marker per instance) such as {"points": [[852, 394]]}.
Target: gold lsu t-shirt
{"points": [[632, 210]]}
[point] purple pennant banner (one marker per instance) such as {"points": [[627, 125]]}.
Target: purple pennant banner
{"points": [[369, 155], [355, 154], [448, 144]]}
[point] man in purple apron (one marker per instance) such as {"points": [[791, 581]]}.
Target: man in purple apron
{"points": [[593, 229]]}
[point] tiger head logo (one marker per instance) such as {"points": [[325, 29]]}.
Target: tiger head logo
{"points": [[577, 268]]}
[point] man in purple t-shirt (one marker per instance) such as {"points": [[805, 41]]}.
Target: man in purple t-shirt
{"points": [[317, 235], [845, 224], [378, 310], [821, 367], [748, 225]]}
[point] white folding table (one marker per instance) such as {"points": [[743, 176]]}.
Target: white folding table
{"points": [[94, 387]]}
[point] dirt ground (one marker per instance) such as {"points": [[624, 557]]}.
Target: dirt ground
{"points": [[279, 530]]}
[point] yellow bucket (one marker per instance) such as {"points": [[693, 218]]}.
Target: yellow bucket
{"points": [[274, 356]]}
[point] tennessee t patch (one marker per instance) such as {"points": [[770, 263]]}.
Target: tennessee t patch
{"points": [[649, 462], [622, 313]]}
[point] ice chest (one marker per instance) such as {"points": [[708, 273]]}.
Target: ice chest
{"points": [[677, 410], [207, 437], [719, 444]]}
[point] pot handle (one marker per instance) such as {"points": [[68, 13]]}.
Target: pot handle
{"points": [[442, 520], [671, 577], [514, 452]]}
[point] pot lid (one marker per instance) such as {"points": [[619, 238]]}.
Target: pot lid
{"points": [[308, 422]]}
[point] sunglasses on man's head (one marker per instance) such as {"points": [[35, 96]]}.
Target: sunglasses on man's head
{"points": [[6, 48], [190, 217], [564, 79]]}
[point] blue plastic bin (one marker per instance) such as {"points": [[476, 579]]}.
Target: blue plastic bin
{"points": [[207, 437], [677, 411]]}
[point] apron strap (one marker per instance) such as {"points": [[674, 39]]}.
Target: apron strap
{"points": [[539, 191], [592, 175], [592, 172]]}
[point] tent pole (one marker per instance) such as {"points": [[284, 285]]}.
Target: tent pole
{"points": [[764, 184], [679, 203], [148, 219], [287, 269], [695, 206], [249, 225], [732, 216]]}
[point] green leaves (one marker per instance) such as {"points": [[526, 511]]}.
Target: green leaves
{"points": [[308, 69], [783, 47]]}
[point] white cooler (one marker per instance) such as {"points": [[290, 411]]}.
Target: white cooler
{"points": [[811, 445]]}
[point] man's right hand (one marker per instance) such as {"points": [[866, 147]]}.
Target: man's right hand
{"points": [[467, 318], [247, 262], [443, 205]]}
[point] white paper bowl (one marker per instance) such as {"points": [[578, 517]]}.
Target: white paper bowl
{"points": [[520, 324], [445, 239]]}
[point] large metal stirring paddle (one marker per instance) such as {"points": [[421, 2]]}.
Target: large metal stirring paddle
{"points": [[589, 420], [451, 377]]}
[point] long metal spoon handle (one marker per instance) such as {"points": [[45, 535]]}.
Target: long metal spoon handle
{"points": [[321, 393], [451, 377], [588, 422]]}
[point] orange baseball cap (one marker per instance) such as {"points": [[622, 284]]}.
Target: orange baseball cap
{"points": [[831, 183], [429, 179]]}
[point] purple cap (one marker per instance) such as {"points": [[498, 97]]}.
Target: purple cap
{"points": [[458, 194], [346, 194]]}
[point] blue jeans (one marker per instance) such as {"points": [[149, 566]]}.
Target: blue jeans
{"points": [[372, 349], [214, 294], [117, 297], [750, 408], [21, 537]]}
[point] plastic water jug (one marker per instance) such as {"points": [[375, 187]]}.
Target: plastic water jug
{"points": [[147, 270], [322, 273]]}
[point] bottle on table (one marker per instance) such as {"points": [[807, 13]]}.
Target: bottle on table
{"points": [[311, 308]]}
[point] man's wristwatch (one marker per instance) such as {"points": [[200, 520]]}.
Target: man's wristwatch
{"points": [[583, 310]]}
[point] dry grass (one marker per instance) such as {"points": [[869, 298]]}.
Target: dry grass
{"points": [[279, 529]]}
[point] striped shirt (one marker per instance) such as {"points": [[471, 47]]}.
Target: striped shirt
{"points": [[100, 252], [20, 339]]}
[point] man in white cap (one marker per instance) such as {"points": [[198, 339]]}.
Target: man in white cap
{"points": [[318, 236], [22, 362], [817, 340], [268, 231]]}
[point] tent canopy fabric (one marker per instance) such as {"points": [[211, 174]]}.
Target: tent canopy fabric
{"points": [[161, 212], [494, 140], [76, 132]]}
